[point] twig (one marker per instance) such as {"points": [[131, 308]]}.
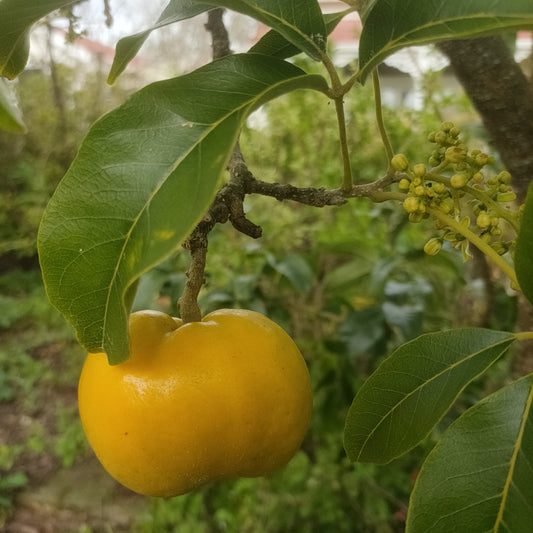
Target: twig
{"points": [[228, 202], [219, 35]]}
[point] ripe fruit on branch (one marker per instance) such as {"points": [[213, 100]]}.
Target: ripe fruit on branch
{"points": [[226, 397]]}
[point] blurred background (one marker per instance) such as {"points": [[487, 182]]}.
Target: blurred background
{"points": [[349, 284]]}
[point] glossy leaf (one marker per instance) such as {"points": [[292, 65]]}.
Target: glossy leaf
{"points": [[144, 176], [478, 477], [10, 114], [524, 248], [400, 403], [128, 47], [274, 44], [16, 19], [394, 24], [300, 22]]}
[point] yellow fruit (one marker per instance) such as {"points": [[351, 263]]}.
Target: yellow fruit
{"points": [[226, 397]]}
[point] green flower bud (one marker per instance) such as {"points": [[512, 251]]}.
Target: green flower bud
{"points": [[446, 126], [478, 177], [410, 204], [499, 247], [506, 197], [454, 154], [504, 177], [481, 159], [420, 190], [446, 207], [433, 246], [486, 237], [483, 220], [399, 162], [415, 217], [439, 188], [403, 185], [458, 181], [441, 137], [465, 221], [419, 170], [455, 132]]}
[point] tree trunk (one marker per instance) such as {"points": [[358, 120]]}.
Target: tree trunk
{"points": [[503, 97]]}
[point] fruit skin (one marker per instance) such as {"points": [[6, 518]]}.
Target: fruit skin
{"points": [[226, 397]]}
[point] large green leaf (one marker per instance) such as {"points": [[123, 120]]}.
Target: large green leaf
{"points": [[479, 476], [300, 22], [16, 19], [143, 177], [394, 24], [10, 114], [524, 248], [412, 389], [128, 47], [274, 44]]}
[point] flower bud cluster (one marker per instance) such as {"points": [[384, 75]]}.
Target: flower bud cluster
{"points": [[456, 185]]}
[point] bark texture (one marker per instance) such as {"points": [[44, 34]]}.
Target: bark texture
{"points": [[503, 97]]}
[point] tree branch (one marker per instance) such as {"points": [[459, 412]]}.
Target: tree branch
{"points": [[219, 35], [228, 202]]}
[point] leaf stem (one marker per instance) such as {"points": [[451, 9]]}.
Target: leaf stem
{"points": [[523, 335], [379, 118], [347, 181], [337, 93]]}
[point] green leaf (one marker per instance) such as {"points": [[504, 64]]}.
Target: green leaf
{"points": [[300, 22], [128, 47], [412, 389], [274, 44], [297, 270], [10, 115], [523, 257], [362, 330], [394, 24], [144, 176], [16, 19], [478, 477]]}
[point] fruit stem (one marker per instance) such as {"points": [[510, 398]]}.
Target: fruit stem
{"points": [[188, 302]]}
